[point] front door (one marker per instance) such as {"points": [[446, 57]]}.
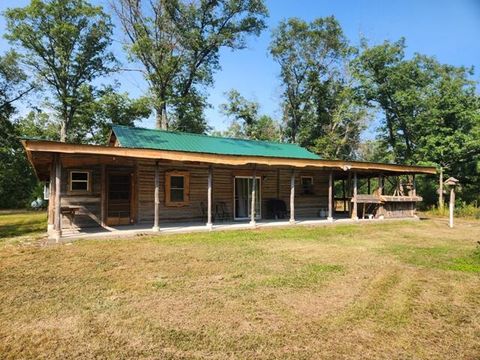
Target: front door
{"points": [[120, 195], [243, 198]]}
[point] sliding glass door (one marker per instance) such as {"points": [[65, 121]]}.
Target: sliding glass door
{"points": [[243, 197]]}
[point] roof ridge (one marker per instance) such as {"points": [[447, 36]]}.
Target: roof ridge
{"points": [[205, 135]]}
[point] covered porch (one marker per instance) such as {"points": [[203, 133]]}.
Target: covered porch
{"points": [[104, 190]]}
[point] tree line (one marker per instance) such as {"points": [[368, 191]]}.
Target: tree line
{"points": [[331, 90]]}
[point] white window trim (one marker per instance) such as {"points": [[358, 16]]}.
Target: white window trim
{"points": [[301, 183], [71, 181]]}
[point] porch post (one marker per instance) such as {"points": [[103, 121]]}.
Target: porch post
{"points": [[51, 198], [209, 200], [354, 212], [156, 226], [103, 195], [292, 197], [254, 185], [58, 214], [414, 186], [330, 197], [380, 184]]}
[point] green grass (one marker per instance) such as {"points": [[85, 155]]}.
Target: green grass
{"points": [[402, 290], [18, 224], [440, 257]]}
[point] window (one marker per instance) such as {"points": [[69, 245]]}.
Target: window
{"points": [[79, 181], [307, 185], [177, 188]]}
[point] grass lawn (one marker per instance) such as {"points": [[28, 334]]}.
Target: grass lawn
{"points": [[393, 290]]}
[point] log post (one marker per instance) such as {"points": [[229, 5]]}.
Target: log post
{"points": [[349, 192], [355, 190], [51, 199], [156, 223], [414, 186], [380, 184], [254, 185], [344, 195], [58, 214], [330, 197], [209, 198], [292, 197], [103, 195], [451, 206], [440, 190]]}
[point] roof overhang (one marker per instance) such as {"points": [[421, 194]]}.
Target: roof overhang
{"points": [[33, 147]]}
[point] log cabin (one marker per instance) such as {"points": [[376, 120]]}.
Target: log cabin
{"points": [[151, 180]]}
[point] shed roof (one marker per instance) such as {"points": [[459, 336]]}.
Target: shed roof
{"points": [[140, 138]]}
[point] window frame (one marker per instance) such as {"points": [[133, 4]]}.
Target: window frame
{"points": [[88, 181], [311, 190], [168, 187]]}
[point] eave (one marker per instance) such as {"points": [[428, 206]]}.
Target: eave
{"points": [[42, 146]]}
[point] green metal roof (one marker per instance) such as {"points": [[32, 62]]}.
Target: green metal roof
{"points": [[131, 137]]}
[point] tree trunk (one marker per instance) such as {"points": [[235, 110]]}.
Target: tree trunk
{"points": [[161, 117], [63, 131]]}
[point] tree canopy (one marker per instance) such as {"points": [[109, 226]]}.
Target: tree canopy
{"points": [[178, 44], [65, 45], [320, 107]]}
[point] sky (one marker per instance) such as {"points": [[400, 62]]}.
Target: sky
{"points": [[446, 29]]}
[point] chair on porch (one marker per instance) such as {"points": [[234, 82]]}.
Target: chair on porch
{"points": [[221, 211]]}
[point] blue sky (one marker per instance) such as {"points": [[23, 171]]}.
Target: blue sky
{"points": [[446, 29]]}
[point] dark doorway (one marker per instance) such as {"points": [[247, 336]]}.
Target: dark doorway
{"points": [[120, 198]]}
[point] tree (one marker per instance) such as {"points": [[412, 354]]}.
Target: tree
{"points": [[430, 110], [101, 108], [246, 122], [16, 178], [319, 103], [13, 82], [65, 44], [178, 44]]}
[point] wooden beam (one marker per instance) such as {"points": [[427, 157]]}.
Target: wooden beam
{"points": [[355, 190], [330, 197], [209, 199], [156, 223], [254, 185], [292, 197], [58, 199]]}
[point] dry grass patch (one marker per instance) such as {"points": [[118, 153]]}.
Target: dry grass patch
{"points": [[391, 290]]}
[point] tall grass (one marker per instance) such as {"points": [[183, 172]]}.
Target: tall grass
{"points": [[463, 210]]}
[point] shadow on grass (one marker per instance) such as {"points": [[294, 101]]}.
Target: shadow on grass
{"points": [[12, 225]]}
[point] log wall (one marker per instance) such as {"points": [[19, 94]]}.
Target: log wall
{"points": [[275, 184]]}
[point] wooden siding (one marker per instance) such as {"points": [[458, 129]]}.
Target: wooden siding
{"points": [[275, 184], [223, 178]]}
